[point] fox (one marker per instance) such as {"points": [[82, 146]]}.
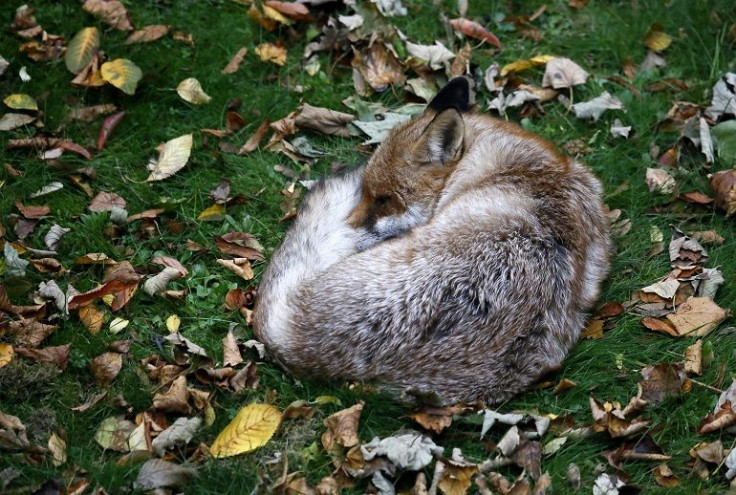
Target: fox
{"points": [[458, 265]]}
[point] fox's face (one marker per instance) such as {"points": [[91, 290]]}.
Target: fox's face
{"points": [[406, 174]]}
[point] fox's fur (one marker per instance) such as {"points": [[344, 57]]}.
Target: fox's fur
{"points": [[458, 266]]}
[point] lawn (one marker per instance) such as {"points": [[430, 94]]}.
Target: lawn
{"points": [[122, 347]]}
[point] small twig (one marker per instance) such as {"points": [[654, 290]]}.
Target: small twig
{"points": [[705, 385]]}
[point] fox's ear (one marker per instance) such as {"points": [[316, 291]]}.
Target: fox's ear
{"points": [[442, 140], [458, 93]]}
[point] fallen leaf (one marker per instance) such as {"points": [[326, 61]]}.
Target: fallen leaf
{"points": [[270, 52], [234, 64], [324, 120], [379, 129], [108, 125], [239, 266], [57, 447], [408, 451], [474, 30], [694, 358], [664, 381], [105, 368], [724, 97], [723, 184], [56, 355], [342, 428], [11, 121], [190, 90], [159, 282], [179, 434], [113, 433], [436, 419], [81, 49], [173, 322], [110, 11], [157, 474], [29, 333], [12, 433], [123, 74], [564, 73], [697, 317], [231, 353], [6, 354], [664, 476], [252, 427], [174, 155], [594, 108], [52, 239], [240, 244], [293, 10], [593, 330], [722, 418], [147, 34], [106, 201], [21, 101], [214, 213], [117, 325], [378, 66], [660, 181], [175, 399], [657, 40], [434, 55]]}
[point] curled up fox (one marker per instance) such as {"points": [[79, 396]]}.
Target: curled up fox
{"points": [[457, 266]]}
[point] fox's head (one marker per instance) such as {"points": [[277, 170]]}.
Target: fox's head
{"points": [[404, 177]]}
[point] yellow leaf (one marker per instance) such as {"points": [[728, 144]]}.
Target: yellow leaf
{"points": [[108, 299], [520, 65], [253, 427], [272, 53], [173, 323], [190, 90], [657, 41], [81, 49], [174, 155], [123, 74], [6, 354], [21, 102], [274, 14], [214, 213]]}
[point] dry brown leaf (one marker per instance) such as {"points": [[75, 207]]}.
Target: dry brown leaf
{"points": [[239, 266], [724, 418], [159, 282], [563, 73], [58, 355], [299, 409], [593, 330], [106, 201], [324, 120], [32, 211], [664, 476], [474, 30], [694, 358], [564, 384], [147, 34], [662, 381], [707, 237], [169, 262], [231, 352], [272, 52], [378, 66], [105, 368], [240, 244], [29, 333], [234, 64], [252, 143], [437, 419], [723, 184], [111, 11], [456, 477], [6, 354], [175, 399], [11, 121], [293, 10], [156, 475], [342, 428], [697, 317], [57, 447]]}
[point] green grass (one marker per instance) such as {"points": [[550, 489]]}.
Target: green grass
{"points": [[599, 37]]}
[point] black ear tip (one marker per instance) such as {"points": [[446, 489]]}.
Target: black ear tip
{"points": [[457, 93]]}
